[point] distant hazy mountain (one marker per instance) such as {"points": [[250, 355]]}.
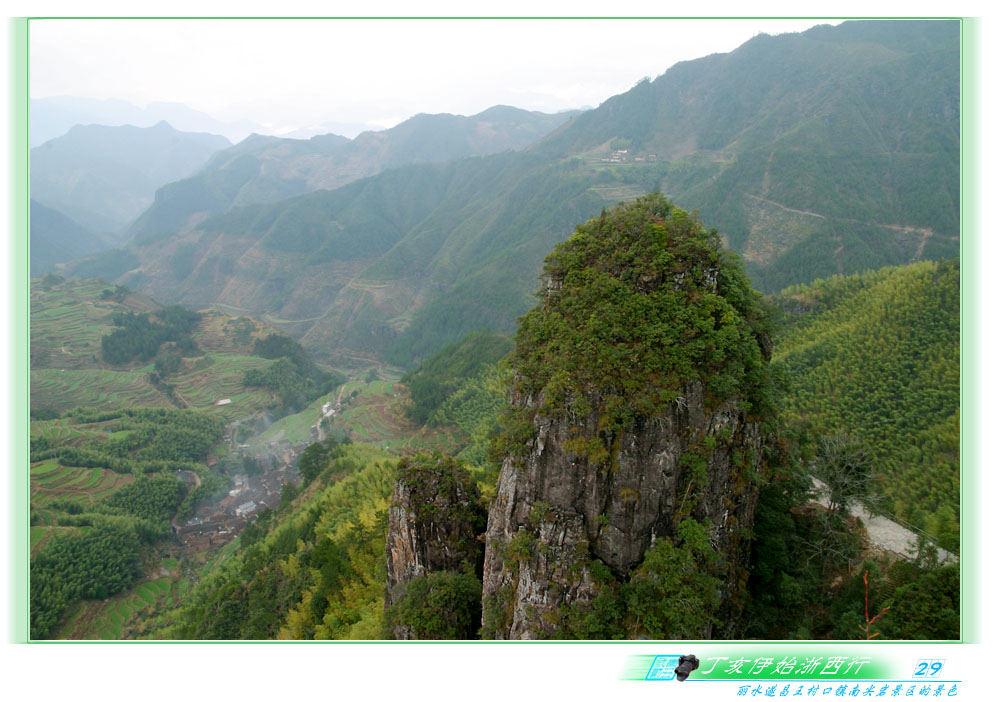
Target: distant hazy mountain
{"points": [[56, 239], [103, 177], [54, 116], [349, 130], [831, 151], [265, 169]]}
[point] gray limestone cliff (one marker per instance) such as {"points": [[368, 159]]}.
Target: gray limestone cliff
{"points": [[434, 523], [558, 513]]}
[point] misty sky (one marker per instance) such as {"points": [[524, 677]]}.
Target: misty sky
{"points": [[295, 74]]}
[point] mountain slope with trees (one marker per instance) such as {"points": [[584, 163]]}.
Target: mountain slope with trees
{"points": [[830, 151], [875, 358], [313, 569]]}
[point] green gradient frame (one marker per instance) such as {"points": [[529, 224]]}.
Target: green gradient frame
{"points": [[969, 455], [17, 271], [18, 361]]}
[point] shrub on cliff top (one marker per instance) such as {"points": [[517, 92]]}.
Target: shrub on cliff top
{"points": [[636, 303]]}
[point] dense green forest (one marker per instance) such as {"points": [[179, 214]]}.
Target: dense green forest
{"points": [[811, 577], [465, 385], [474, 407], [94, 564], [432, 383], [611, 326], [140, 335], [876, 356]]}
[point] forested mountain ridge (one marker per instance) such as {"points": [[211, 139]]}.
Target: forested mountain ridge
{"points": [[836, 146], [831, 151], [265, 169], [352, 265]]}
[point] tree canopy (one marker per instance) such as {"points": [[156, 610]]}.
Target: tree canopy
{"points": [[636, 303]]}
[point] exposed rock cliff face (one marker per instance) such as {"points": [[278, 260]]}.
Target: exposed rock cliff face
{"points": [[434, 521], [628, 433], [569, 511]]}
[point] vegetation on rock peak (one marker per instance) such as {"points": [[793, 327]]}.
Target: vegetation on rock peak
{"points": [[638, 302]]}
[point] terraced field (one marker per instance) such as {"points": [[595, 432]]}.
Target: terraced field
{"points": [[57, 489], [218, 377], [114, 618], [372, 411], [62, 430], [69, 317], [50, 481], [65, 389], [379, 420], [68, 320]]}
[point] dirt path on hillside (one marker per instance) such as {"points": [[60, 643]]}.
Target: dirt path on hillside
{"points": [[884, 532], [924, 232], [788, 209]]}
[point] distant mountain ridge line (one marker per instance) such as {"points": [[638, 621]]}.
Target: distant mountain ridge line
{"points": [[53, 116], [264, 169]]}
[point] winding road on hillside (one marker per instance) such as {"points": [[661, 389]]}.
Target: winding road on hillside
{"points": [[924, 232], [884, 532]]}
